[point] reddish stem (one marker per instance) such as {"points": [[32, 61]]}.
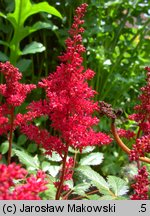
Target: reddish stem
{"points": [[58, 194], [10, 134], [122, 145]]}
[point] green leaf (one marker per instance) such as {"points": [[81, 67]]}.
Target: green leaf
{"points": [[32, 163], [24, 9], [4, 43], [88, 149], [2, 15], [45, 166], [54, 170], [92, 159], [50, 193], [3, 57], [55, 157], [80, 189], [32, 147], [21, 140], [23, 64], [33, 47], [95, 178], [4, 147], [93, 197], [118, 185], [107, 197]]}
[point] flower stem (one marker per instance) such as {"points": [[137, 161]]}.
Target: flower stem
{"points": [[122, 145], [10, 135], [58, 193]]}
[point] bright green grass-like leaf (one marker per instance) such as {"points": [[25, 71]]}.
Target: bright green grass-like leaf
{"points": [[32, 163], [4, 147], [2, 15], [95, 178], [118, 185], [92, 159], [33, 47]]}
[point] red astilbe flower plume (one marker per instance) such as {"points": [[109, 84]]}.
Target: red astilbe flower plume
{"points": [[69, 96], [141, 185], [14, 93], [128, 134], [142, 117], [29, 189]]}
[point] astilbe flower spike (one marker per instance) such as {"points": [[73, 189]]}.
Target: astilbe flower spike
{"points": [[141, 185], [69, 101], [28, 188], [14, 93], [142, 117], [69, 95]]}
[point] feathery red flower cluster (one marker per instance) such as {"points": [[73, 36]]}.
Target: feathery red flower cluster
{"points": [[142, 117], [69, 103], [142, 144], [30, 189], [141, 185], [13, 91], [128, 134]]}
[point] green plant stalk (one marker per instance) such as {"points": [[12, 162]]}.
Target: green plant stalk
{"points": [[10, 134], [58, 193], [109, 87]]}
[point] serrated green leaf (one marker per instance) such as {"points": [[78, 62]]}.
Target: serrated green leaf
{"points": [[53, 170], [92, 159], [50, 193], [33, 47], [88, 149], [107, 197], [45, 166], [55, 157], [32, 163], [93, 197], [118, 185], [80, 189], [95, 178], [4, 147]]}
